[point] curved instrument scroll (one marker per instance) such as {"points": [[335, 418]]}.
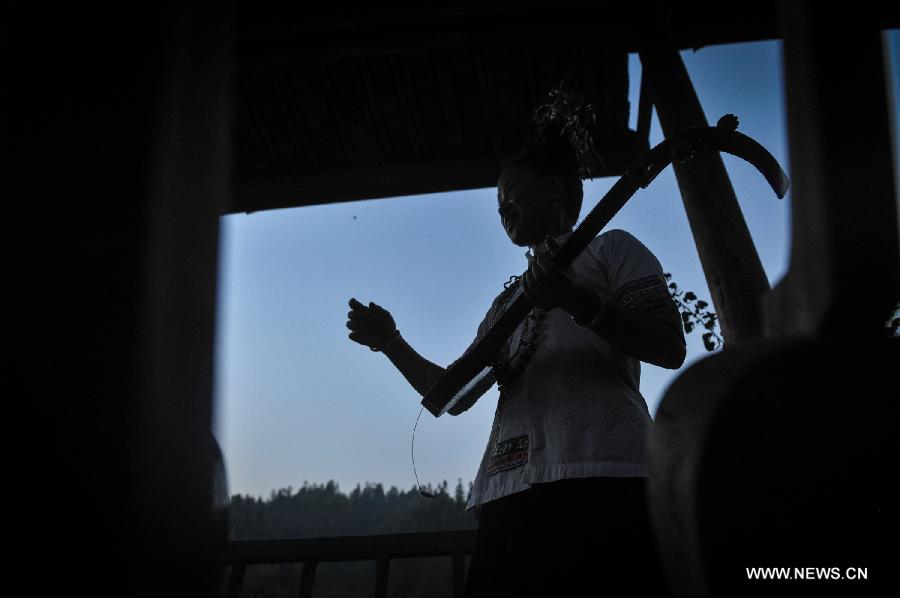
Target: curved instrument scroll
{"points": [[471, 373]]}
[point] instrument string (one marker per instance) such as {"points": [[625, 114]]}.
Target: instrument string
{"points": [[412, 449], [500, 367]]}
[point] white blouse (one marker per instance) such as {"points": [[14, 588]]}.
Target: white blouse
{"points": [[575, 410]]}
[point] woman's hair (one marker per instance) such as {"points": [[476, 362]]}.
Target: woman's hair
{"points": [[561, 144], [551, 154]]}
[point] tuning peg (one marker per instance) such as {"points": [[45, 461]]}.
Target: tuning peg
{"points": [[729, 121]]}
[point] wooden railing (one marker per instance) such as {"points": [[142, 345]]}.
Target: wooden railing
{"points": [[381, 549]]}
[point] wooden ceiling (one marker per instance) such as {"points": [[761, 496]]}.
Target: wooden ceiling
{"points": [[334, 105]]}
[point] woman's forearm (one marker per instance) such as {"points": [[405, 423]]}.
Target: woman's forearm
{"points": [[644, 335], [418, 371], [653, 336]]}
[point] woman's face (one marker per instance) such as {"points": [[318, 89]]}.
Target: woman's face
{"points": [[526, 205]]}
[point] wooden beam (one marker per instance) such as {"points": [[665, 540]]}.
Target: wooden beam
{"points": [[291, 35], [352, 548], [732, 267], [473, 172], [645, 110], [367, 183]]}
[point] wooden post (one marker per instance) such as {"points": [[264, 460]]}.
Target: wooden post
{"points": [[382, 570], [844, 273], [459, 574], [736, 279], [121, 313], [236, 579], [308, 577]]}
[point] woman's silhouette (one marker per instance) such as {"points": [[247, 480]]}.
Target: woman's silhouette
{"points": [[560, 493]]}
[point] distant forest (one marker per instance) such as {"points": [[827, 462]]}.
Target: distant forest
{"points": [[315, 511]]}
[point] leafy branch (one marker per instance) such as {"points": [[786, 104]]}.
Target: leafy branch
{"points": [[695, 314]]}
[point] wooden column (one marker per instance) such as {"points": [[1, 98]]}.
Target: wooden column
{"points": [[733, 271], [382, 570], [844, 273], [459, 573], [121, 132], [236, 580], [308, 577]]}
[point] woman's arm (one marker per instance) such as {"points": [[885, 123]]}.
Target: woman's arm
{"points": [[653, 334], [418, 371], [374, 327]]}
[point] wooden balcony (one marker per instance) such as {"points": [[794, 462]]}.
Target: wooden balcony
{"points": [[381, 549]]}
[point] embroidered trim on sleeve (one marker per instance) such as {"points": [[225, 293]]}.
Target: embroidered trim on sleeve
{"points": [[649, 292]]}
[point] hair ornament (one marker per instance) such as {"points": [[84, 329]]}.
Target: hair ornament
{"points": [[568, 115]]}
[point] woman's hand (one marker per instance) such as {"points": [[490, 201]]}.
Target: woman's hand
{"points": [[546, 285], [372, 326]]}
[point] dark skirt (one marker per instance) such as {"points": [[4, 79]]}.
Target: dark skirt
{"points": [[584, 537]]}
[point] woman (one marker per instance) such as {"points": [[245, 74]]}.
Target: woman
{"points": [[560, 493]]}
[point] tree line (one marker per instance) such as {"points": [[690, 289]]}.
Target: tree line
{"points": [[322, 510]]}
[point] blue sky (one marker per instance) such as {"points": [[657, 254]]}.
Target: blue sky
{"points": [[297, 401]]}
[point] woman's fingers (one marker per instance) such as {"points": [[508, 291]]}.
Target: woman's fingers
{"points": [[369, 323], [546, 268], [546, 286], [556, 284], [359, 316], [535, 293], [534, 285]]}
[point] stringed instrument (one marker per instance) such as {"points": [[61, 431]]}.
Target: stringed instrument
{"points": [[472, 374]]}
